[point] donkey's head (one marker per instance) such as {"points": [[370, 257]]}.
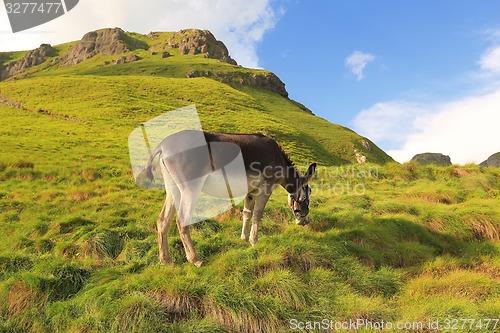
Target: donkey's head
{"points": [[298, 200]]}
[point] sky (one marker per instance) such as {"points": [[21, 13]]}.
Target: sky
{"points": [[412, 76]]}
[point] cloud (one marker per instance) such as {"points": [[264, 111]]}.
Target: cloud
{"points": [[357, 61], [465, 128], [240, 24], [490, 61], [390, 123]]}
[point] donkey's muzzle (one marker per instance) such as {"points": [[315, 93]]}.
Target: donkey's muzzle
{"points": [[302, 220]]}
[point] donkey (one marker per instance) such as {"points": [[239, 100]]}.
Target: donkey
{"points": [[266, 166]]}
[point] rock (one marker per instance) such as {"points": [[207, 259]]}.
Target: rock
{"points": [[132, 58], [32, 58], [195, 41], [121, 60], [165, 54], [360, 158], [265, 80], [301, 106], [152, 35], [432, 158], [105, 41], [493, 161], [269, 81], [125, 59], [366, 145]]}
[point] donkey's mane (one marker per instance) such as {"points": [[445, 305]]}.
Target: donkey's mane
{"points": [[287, 158]]}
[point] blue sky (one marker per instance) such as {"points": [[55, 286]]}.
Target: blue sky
{"points": [[419, 48], [420, 59], [413, 76]]}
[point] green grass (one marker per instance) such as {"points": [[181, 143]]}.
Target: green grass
{"points": [[124, 102], [79, 253], [78, 245]]}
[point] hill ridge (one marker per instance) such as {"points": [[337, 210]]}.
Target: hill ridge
{"points": [[131, 47]]}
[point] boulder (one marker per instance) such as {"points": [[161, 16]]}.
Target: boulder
{"points": [[493, 161], [360, 158], [125, 59], [432, 158]]}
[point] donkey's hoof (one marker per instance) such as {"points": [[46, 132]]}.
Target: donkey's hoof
{"points": [[165, 261], [198, 263]]}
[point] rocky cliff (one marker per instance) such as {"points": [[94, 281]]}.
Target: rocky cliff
{"points": [[267, 80], [32, 58], [493, 160], [432, 158], [105, 41], [195, 41]]}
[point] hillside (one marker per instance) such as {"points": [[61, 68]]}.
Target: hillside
{"points": [[407, 243], [137, 80]]}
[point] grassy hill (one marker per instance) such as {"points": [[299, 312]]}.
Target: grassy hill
{"points": [[78, 247], [230, 99]]}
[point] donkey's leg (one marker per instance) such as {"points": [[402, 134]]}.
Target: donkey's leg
{"points": [[258, 212], [247, 216], [162, 225], [189, 195]]}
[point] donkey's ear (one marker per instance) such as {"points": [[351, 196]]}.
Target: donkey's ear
{"points": [[310, 172]]}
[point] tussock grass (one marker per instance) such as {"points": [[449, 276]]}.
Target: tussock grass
{"points": [[138, 313], [13, 262], [363, 256], [23, 301], [79, 253], [285, 286], [103, 244]]}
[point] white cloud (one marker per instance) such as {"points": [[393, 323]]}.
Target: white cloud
{"points": [[466, 128], [490, 61], [240, 24], [356, 62], [390, 123]]}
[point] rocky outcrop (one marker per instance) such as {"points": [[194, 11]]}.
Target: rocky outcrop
{"points": [[105, 41], [195, 41], [366, 145], [268, 81], [493, 161], [300, 105], [264, 80], [360, 158], [115, 42], [32, 58], [432, 158]]}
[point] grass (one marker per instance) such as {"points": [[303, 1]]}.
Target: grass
{"points": [[387, 254], [78, 244]]}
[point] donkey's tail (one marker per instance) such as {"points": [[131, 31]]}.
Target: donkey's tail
{"points": [[148, 170]]}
